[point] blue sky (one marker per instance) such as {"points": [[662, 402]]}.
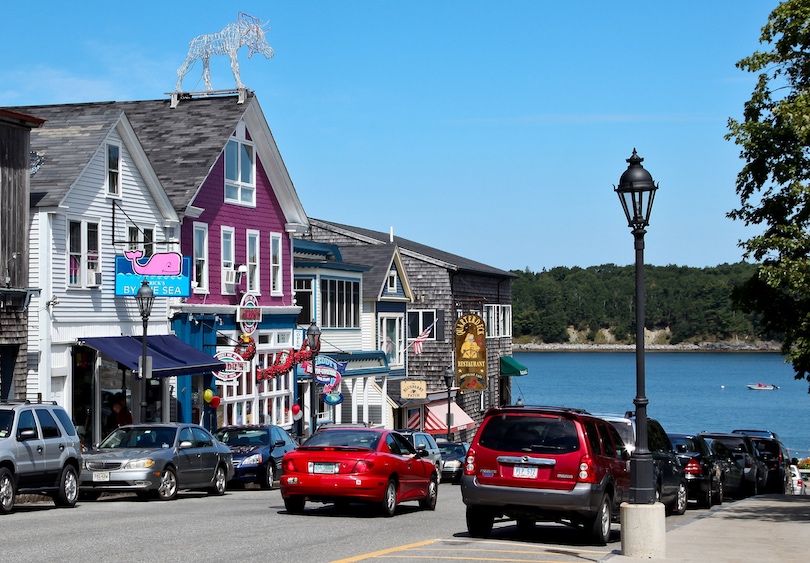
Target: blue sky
{"points": [[493, 130]]}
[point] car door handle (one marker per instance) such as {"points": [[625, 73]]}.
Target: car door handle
{"points": [[39, 449], [61, 447]]}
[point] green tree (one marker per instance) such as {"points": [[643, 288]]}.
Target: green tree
{"points": [[774, 137]]}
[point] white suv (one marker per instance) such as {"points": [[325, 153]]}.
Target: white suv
{"points": [[40, 453]]}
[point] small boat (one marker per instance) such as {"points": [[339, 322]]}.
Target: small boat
{"points": [[762, 387]]}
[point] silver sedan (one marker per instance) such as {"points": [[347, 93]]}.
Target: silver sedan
{"points": [[155, 461]]}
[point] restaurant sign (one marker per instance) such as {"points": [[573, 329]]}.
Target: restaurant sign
{"points": [[249, 314], [471, 353]]}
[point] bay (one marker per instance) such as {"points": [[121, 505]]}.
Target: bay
{"points": [[687, 391]]}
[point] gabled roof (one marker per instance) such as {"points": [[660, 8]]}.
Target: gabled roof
{"points": [[421, 251], [379, 258]]}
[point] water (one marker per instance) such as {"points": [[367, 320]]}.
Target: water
{"points": [[688, 392]]}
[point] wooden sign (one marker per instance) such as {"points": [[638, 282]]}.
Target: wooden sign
{"points": [[471, 353]]}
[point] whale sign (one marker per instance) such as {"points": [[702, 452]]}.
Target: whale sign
{"points": [[168, 274]]}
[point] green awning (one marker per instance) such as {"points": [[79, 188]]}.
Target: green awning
{"points": [[511, 367]]}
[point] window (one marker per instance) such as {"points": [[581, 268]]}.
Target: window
{"points": [[200, 257], [240, 183], [142, 239], [391, 339], [392, 281], [498, 319], [113, 170], [276, 277], [419, 321], [253, 262], [48, 424], [340, 303], [303, 298], [84, 257], [228, 251]]}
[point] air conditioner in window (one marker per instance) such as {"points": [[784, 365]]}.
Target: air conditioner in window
{"points": [[230, 277], [94, 278]]}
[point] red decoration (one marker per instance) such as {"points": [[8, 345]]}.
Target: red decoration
{"points": [[246, 347], [285, 362], [215, 401], [296, 408]]}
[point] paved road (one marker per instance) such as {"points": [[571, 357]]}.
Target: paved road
{"points": [[252, 525]]}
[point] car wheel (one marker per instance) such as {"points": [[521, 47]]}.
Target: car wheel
{"points": [[479, 521], [294, 505], [389, 500], [269, 476], [599, 527], [219, 482], [720, 492], [752, 488], [429, 502], [168, 485], [705, 500], [68, 492], [679, 506], [7, 493]]}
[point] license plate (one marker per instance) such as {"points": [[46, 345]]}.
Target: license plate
{"points": [[325, 467], [525, 472], [99, 476]]}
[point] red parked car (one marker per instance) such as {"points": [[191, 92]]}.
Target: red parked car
{"points": [[342, 465]]}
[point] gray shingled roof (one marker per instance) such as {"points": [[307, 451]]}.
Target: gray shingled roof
{"points": [[378, 258], [182, 144], [461, 263]]}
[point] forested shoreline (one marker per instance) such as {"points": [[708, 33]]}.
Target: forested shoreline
{"points": [[686, 307]]}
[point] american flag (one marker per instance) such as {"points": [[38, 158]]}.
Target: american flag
{"points": [[420, 340]]}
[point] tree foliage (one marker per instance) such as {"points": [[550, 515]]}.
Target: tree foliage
{"points": [[694, 303], [774, 138]]}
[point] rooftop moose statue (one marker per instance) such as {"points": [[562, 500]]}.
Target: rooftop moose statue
{"points": [[246, 31]]}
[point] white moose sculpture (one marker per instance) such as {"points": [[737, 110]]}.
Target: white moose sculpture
{"points": [[247, 31]]}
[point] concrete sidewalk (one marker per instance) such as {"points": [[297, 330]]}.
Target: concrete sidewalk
{"points": [[762, 528]]}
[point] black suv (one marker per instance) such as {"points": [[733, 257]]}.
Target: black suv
{"points": [[775, 456], [745, 452], [545, 464], [39, 453]]}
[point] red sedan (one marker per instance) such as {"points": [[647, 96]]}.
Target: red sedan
{"points": [[342, 465]]}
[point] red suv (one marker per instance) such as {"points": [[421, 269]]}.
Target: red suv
{"points": [[545, 464]]}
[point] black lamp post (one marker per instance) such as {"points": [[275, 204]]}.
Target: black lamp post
{"points": [[636, 191], [449, 379], [314, 343], [145, 298]]}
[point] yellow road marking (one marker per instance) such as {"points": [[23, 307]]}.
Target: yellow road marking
{"points": [[384, 552]]}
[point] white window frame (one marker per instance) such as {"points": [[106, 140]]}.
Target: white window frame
{"points": [[112, 169], [137, 239], [227, 248], [276, 265], [423, 323], [253, 238], [89, 263], [396, 358], [201, 264], [392, 281], [331, 310], [498, 320], [305, 288], [239, 190]]}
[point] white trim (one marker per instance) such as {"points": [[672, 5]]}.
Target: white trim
{"points": [[254, 279], [203, 285], [227, 269], [277, 270]]}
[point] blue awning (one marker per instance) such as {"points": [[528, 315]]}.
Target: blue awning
{"points": [[170, 355]]}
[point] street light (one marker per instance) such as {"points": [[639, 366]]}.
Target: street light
{"points": [[645, 531], [449, 379], [145, 299], [314, 344]]}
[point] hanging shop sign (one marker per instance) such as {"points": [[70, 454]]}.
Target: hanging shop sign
{"points": [[168, 274], [249, 314], [235, 366], [471, 352], [412, 389], [328, 372]]}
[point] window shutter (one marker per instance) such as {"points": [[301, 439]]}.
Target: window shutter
{"points": [[439, 325]]}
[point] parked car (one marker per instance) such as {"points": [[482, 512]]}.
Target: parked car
{"points": [[453, 454], [40, 453], [257, 451], [745, 452], [733, 478], [156, 460], [775, 456], [797, 486], [805, 474], [423, 440], [342, 465], [703, 472], [669, 479], [545, 464]]}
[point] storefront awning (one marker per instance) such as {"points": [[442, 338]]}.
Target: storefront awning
{"points": [[436, 419], [170, 355], [510, 367]]}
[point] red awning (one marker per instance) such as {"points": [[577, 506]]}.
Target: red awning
{"points": [[436, 420]]}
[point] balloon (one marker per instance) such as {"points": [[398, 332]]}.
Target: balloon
{"points": [[215, 401], [208, 395], [298, 416], [296, 408]]}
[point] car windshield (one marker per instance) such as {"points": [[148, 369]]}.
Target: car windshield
{"points": [[140, 438], [530, 434], [361, 439], [6, 421], [452, 450], [244, 437]]}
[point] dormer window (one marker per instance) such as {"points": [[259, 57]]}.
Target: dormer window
{"points": [[240, 173], [113, 170], [392, 282]]}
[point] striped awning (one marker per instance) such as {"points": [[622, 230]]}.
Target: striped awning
{"points": [[436, 419]]}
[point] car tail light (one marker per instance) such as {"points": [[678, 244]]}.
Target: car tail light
{"points": [[363, 466], [586, 473], [289, 466], [693, 468], [469, 462]]}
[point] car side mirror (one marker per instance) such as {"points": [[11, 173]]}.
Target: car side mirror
{"points": [[421, 452], [279, 444], [680, 448], [625, 455], [28, 434], [185, 444]]}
